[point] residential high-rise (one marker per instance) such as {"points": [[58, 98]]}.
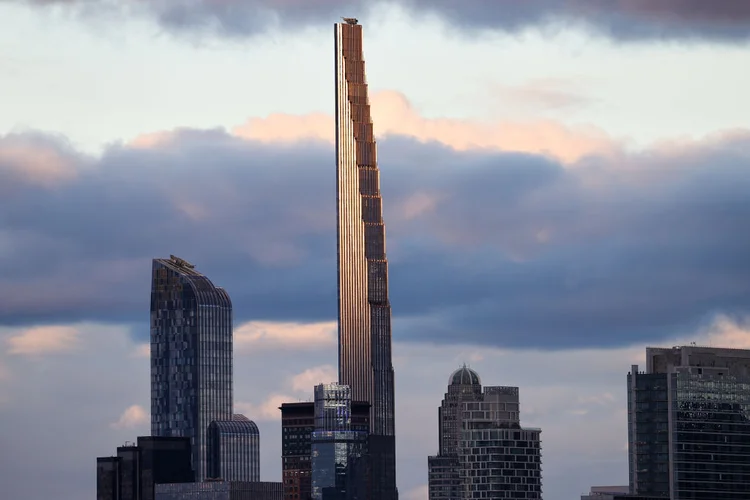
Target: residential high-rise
{"points": [[297, 426], [689, 424], [484, 451], [335, 444], [234, 449], [464, 385], [497, 457], [364, 309], [191, 355]]}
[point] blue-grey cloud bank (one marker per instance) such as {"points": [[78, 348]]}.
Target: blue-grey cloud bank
{"points": [[496, 248], [725, 20]]}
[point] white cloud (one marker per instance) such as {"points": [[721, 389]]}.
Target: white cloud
{"points": [[44, 340], [265, 335], [308, 379], [133, 416], [727, 332], [268, 410], [142, 350]]}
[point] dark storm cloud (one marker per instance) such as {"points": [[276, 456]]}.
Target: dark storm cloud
{"points": [[622, 19], [507, 249]]}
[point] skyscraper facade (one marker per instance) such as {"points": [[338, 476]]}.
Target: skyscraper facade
{"points": [[689, 424], [483, 450], [191, 355], [297, 427], [364, 308], [234, 449], [335, 444], [444, 483], [497, 457]]}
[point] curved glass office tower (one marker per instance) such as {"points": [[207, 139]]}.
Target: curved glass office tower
{"points": [[364, 308], [191, 355]]}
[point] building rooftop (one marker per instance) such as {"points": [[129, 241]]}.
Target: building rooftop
{"points": [[464, 376]]}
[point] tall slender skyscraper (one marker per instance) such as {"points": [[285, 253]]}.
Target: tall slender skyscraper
{"points": [[364, 309], [191, 355]]}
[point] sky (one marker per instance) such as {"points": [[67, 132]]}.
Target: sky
{"points": [[563, 183]]}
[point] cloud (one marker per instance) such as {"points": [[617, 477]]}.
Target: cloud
{"points": [[539, 95], [306, 381], [142, 351], [729, 332], [627, 20], [394, 115], [268, 410], [508, 248], [133, 416], [89, 385], [257, 336], [44, 340], [35, 159]]}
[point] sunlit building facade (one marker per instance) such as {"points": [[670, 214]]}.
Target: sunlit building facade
{"points": [[689, 424], [191, 355], [364, 308]]}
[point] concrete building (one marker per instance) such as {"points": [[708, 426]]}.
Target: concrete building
{"points": [[689, 424]]}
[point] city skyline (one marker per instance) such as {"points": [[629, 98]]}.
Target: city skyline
{"points": [[560, 193]]}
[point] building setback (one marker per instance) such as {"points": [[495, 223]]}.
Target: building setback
{"points": [[364, 309], [689, 424]]}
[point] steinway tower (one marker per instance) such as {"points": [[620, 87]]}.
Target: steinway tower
{"points": [[364, 308]]}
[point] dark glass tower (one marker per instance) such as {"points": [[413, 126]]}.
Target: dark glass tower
{"points": [[689, 424], [336, 443], [234, 449], [297, 427], [364, 308], [191, 355]]}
